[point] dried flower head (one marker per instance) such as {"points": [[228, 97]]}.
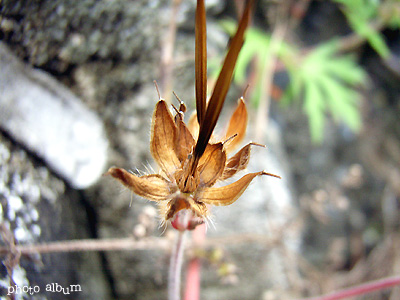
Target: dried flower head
{"points": [[191, 164]]}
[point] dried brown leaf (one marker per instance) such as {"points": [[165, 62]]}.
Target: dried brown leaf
{"points": [[238, 162], [228, 194], [153, 187]]}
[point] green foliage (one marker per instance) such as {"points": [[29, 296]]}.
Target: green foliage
{"points": [[363, 14], [325, 81], [256, 48]]}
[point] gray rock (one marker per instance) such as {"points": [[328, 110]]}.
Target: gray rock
{"points": [[37, 207], [50, 121]]}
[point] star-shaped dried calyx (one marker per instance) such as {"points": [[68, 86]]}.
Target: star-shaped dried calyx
{"points": [[177, 187], [190, 164]]}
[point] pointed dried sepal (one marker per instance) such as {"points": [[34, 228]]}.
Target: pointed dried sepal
{"points": [[152, 187], [237, 126], [226, 195], [184, 141], [212, 164], [163, 139], [201, 61], [238, 162]]}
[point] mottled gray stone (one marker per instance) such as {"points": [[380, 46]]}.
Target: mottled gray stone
{"points": [[37, 207], [50, 121]]}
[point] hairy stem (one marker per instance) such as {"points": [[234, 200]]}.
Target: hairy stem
{"points": [[175, 267]]}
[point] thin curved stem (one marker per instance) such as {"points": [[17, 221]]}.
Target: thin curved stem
{"points": [[360, 289], [193, 274], [175, 267]]}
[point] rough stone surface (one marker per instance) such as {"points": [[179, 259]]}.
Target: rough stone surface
{"points": [[73, 32], [50, 121], [37, 207]]}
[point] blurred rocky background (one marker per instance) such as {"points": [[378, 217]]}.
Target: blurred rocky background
{"points": [[76, 97]]}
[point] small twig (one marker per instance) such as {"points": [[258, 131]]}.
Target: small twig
{"points": [[354, 40], [13, 255], [92, 245], [267, 80], [127, 244], [175, 268], [360, 289]]}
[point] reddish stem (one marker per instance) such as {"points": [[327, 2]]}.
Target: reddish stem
{"points": [[192, 290], [360, 289]]}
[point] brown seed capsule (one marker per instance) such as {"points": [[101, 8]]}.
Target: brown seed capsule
{"points": [[190, 164]]}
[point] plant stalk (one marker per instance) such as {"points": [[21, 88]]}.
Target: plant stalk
{"points": [[192, 290], [360, 289], [175, 267]]}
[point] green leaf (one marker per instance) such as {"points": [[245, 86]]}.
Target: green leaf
{"points": [[345, 69], [361, 14], [342, 102], [328, 82], [325, 79]]}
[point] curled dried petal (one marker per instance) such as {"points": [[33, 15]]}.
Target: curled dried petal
{"points": [[226, 195], [238, 162], [152, 187]]}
